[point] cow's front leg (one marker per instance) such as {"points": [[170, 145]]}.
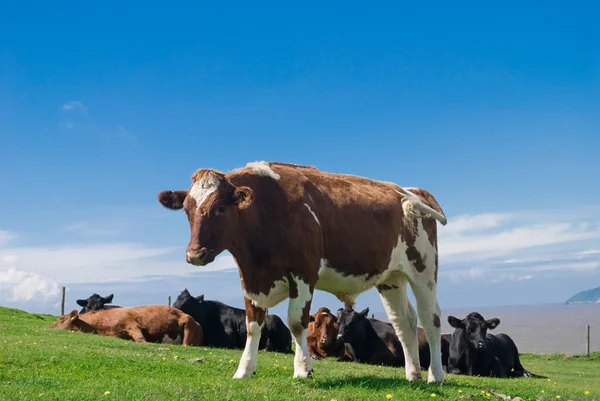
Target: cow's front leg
{"points": [[298, 317], [255, 318]]}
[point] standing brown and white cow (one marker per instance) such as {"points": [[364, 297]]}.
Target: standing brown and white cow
{"points": [[293, 229]]}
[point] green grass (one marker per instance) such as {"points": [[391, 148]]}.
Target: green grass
{"points": [[40, 363]]}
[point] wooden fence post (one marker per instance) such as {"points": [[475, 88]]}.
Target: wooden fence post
{"points": [[169, 300], [587, 340], [62, 304]]}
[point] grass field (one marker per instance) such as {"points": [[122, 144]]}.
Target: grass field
{"points": [[45, 364]]}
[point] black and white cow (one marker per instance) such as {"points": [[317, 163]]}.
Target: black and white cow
{"points": [[475, 352], [96, 302], [225, 326]]}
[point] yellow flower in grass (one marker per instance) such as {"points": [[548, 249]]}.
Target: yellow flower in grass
{"points": [[487, 394], [231, 361], [106, 392], [433, 394], [285, 367], [586, 392], [541, 391], [388, 396], [333, 399], [164, 358], [558, 396]]}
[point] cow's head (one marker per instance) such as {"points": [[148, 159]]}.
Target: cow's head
{"points": [[212, 205], [95, 302], [473, 329], [352, 325], [326, 327], [68, 321], [185, 301]]}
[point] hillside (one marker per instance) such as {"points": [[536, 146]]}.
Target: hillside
{"points": [[585, 297], [45, 364]]}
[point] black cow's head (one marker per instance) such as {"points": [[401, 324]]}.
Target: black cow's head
{"points": [[352, 325], [473, 329], [186, 302], [95, 302], [212, 205]]}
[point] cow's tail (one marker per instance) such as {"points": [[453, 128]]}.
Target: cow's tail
{"points": [[421, 203]]}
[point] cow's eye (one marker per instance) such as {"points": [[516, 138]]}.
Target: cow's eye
{"points": [[221, 209]]}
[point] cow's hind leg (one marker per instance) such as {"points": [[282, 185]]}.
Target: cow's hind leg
{"points": [[430, 316], [136, 334], [192, 332], [255, 318], [403, 317], [298, 317]]}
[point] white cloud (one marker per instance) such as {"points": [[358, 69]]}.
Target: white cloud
{"points": [[5, 237], [75, 105], [98, 228], [493, 244], [26, 286], [111, 262]]}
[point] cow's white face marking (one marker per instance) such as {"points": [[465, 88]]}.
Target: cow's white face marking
{"points": [[278, 293], [249, 357], [302, 361], [263, 168], [313, 213], [203, 188], [325, 314]]}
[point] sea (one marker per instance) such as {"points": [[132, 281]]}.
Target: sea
{"points": [[539, 329]]}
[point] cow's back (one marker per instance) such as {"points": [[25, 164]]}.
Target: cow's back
{"points": [[348, 223]]}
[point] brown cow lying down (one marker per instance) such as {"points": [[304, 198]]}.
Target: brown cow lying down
{"points": [[322, 336], [140, 324]]}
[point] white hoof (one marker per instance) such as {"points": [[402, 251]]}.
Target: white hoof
{"points": [[303, 374], [243, 374]]}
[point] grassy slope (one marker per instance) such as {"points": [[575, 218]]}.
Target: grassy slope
{"points": [[40, 363]]}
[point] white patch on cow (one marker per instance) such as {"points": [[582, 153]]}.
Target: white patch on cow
{"points": [[203, 188], [249, 357], [278, 293], [313, 213], [263, 168], [325, 314], [345, 287], [168, 340], [302, 361], [413, 204]]}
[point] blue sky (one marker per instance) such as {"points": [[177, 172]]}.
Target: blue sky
{"points": [[494, 109]]}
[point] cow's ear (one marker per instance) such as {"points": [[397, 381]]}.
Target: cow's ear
{"points": [[311, 318], [108, 299], [365, 312], [243, 197], [493, 323], [455, 322], [82, 302], [172, 199], [73, 315], [200, 297]]}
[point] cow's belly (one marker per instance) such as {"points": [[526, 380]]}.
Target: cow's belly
{"points": [[278, 292], [347, 286]]}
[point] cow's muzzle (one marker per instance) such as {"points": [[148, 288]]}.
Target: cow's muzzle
{"points": [[197, 258]]}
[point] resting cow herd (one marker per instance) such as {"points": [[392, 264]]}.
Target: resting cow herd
{"points": [[295, 229]]}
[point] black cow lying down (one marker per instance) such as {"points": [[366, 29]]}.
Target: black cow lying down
{"points": [[373, 341], [225, 326], [475, 352], [96, 302]]}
